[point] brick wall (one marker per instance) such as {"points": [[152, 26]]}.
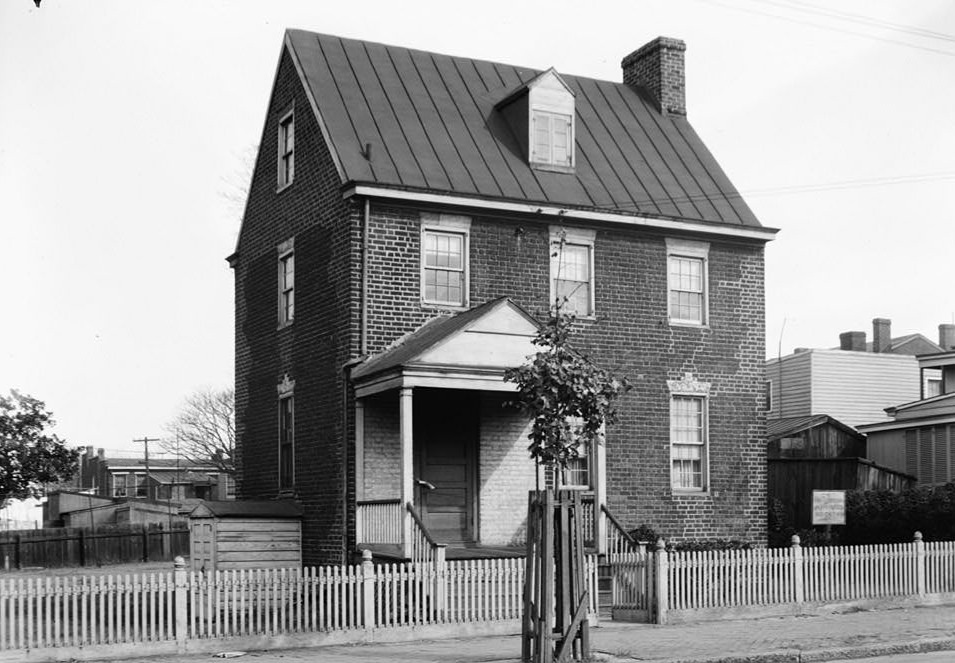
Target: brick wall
{"points": [[313, 349], [382, 466], [505, 472], [632, 335]]}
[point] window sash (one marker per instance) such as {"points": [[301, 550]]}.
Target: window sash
{"points": [[687, 288], [287, 150], [286, 443], [552, 138], [577, 471], [688, 442], [287, 278], [444, 267], [571, 265]]}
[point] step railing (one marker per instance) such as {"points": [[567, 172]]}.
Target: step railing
{"points": [[424, 549], [620, 545], [378, 521]]}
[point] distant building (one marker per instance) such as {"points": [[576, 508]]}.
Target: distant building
{"points": [[820, 453], [118, 488], [855, 382], [920, 437], [125, 475]]}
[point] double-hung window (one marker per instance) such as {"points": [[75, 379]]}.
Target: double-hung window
{"points": [[286, 156], [286, 442], [572, 270], [552, 138], [577, 471], [444, 260], [688, 442], [687, 281], [286, 282]]}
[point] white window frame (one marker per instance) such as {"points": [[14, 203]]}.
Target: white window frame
{"points": [[690, 388], [286, 291], [446, 224], [286, 394], [688, 250], [538, 115], [286, 150], [573, 237], [119, 484]]}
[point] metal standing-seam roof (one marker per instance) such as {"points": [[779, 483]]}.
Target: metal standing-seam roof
{"points": [[432, 126]]}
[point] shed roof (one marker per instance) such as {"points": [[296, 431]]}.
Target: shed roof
{"points": [[777, 428], [431, 122], [247, 509]]}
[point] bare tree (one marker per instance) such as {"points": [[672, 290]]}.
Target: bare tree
{"points": [[204, 429]]}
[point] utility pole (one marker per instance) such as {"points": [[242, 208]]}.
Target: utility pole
{"points": [[146, 441]]}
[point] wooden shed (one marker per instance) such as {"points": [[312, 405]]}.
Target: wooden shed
{"points": [[245, 535]]}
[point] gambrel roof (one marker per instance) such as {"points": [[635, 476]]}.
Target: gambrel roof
{"points": [[415, 121]]}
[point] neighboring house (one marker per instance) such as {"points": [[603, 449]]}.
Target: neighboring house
{"points": [[163, 477], [122, 487], [820, 453], [411, 219], [920, 438], [854, 383]]}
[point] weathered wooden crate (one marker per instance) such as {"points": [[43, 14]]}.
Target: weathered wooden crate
{"points": [[245, 535]]}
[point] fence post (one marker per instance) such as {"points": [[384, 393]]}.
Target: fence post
{"points": [[799, 592], [145, 542], [661, 571], [17, 552], [919, 564], [440, 581], [82, 547], [368, 590], [181, 582]]}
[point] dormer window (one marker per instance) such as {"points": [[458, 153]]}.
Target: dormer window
{"points": [[553, 138], [541, 114]]}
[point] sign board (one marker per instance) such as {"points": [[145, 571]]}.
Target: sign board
{"points": [[828, 507]]}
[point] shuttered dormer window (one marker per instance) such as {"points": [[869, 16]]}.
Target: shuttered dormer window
{"points": [[553, 139]]}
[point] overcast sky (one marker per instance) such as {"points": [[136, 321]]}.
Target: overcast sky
{"points": [[125, 130]]}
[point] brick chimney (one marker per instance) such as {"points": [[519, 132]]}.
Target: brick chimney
{"points": [[658, 67], [946, 337], [852, 340], [881, 335]]}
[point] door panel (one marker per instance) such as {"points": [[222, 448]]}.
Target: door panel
{"points": [[445, 437]]}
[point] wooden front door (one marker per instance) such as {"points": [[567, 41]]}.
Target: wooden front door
{"points": [[445, 440]]}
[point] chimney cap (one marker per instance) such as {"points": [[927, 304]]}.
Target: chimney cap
{"points": [[653, 45]]}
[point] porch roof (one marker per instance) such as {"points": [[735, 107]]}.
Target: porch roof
{"points": [[470, 349]]}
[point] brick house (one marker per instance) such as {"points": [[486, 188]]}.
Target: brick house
{"points": [[411, 218]]}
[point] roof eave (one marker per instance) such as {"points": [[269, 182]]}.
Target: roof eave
{"points": [[373, 190]]}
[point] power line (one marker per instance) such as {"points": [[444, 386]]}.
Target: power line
{"points": [[830, 28], [860, 19]]}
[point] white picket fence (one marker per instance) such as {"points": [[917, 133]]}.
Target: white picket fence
{"points": [[666, 585], [173, 607]]}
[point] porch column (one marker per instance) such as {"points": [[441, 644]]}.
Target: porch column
{"points": [[600, 493], [359, 449], [407, 466]]}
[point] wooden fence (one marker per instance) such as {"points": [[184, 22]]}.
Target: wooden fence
{"points": [[675, 586], [72, 546], [171, 608]]}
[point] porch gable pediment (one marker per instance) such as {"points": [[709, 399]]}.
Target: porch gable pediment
{"points": [[471, 348]]}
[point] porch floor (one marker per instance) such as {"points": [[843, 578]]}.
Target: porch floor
{"points": [[454, 551]]}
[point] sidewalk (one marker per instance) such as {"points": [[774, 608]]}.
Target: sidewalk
{"points": [[770, 640]]}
